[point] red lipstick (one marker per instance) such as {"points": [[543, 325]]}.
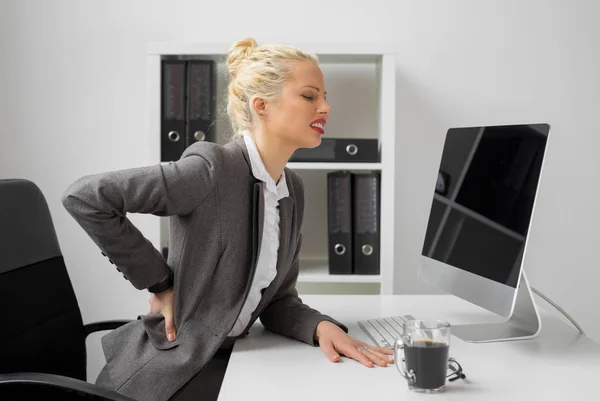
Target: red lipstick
{"points": [[318, 125]]}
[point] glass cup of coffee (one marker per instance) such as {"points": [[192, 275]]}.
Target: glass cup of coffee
{"points": [[426, 347]]}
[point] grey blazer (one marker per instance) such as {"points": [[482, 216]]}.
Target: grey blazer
{"points": [[216, 207]]}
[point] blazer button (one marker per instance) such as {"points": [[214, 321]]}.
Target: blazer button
{"points": [[125, 277], [111, 262], [103, 254]]}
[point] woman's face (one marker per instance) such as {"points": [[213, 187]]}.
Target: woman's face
{"points": [[299, 116]]}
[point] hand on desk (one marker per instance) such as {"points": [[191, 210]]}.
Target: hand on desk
{"points": [[334, 341]]}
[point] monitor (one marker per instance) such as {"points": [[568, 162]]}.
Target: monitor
{"points": [[479, 221]]}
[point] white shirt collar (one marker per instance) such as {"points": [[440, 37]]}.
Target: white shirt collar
{"points": [[260, 172]]}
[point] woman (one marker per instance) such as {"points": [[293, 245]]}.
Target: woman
{"points": [[236, 216]]}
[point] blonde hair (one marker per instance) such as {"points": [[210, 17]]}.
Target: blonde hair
{"points": [[257, 71]]}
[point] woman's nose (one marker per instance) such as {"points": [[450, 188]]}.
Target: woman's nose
{"points": [[324, 108]]}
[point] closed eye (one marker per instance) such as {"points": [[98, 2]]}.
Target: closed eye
{"points": [[310, 98]]}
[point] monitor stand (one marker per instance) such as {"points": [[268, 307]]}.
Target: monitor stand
{"points": [[524, 322]]}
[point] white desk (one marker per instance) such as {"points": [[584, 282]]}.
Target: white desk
{"points": [[265, 366]]}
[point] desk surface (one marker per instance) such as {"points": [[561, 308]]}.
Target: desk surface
{"points": [[558, 362]]}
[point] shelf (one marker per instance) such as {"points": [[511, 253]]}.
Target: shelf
{"points": [[333, 166], [344, 51], [318, 272], [350, 70]]}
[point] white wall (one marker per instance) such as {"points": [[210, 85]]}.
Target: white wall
{"points": [[73, 102]]}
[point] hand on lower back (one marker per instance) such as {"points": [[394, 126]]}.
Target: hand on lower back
{"points": [[163, 303]]}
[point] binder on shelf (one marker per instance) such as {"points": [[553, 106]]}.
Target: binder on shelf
{"points": [[355, 150], [339, 222], [188, 102], [173, 100], [200, 101], [366, 225]]}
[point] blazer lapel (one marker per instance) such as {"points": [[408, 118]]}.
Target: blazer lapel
{"points": [[257, 227], [286, 213], [286, 225], [258, 211], [259, 207]]}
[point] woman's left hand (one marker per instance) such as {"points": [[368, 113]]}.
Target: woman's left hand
{"points": [[334, 341]]}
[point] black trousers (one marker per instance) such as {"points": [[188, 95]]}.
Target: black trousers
{"points": [[206, 384]]}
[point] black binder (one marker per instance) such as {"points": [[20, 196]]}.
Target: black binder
{"points": [[201, 101], [340, 150], [339, 222], [366, 224], [173, 104], [188, 103]]}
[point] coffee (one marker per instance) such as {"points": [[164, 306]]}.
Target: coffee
{"points": [[428, 359]]}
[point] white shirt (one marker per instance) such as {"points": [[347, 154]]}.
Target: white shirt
{"points": [[266, 267]]}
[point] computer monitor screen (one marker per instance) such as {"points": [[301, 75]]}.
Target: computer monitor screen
{"points": [[482, 205]]}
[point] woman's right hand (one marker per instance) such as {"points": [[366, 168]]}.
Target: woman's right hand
{"points": [[162, 303]]}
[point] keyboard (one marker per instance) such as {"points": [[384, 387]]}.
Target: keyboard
{"points": [[384, 331]]}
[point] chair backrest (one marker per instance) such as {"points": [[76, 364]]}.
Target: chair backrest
{"points": [[42, 330]]}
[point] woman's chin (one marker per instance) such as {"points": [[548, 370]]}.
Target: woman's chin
{"points": [[313, 141]]}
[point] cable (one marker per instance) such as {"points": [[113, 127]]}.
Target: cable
{"points": [[561, 310]]}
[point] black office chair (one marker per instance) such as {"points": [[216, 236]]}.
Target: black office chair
{"points": [[42, 340]]}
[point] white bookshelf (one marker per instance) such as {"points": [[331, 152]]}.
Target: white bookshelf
{"points": [[317, 271], [360, 80], [333, 166]]}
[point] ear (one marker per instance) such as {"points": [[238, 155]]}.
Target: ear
{"points": [[259, 105]]}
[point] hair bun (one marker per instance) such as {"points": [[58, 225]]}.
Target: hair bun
{"points": [[238, 52]]}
